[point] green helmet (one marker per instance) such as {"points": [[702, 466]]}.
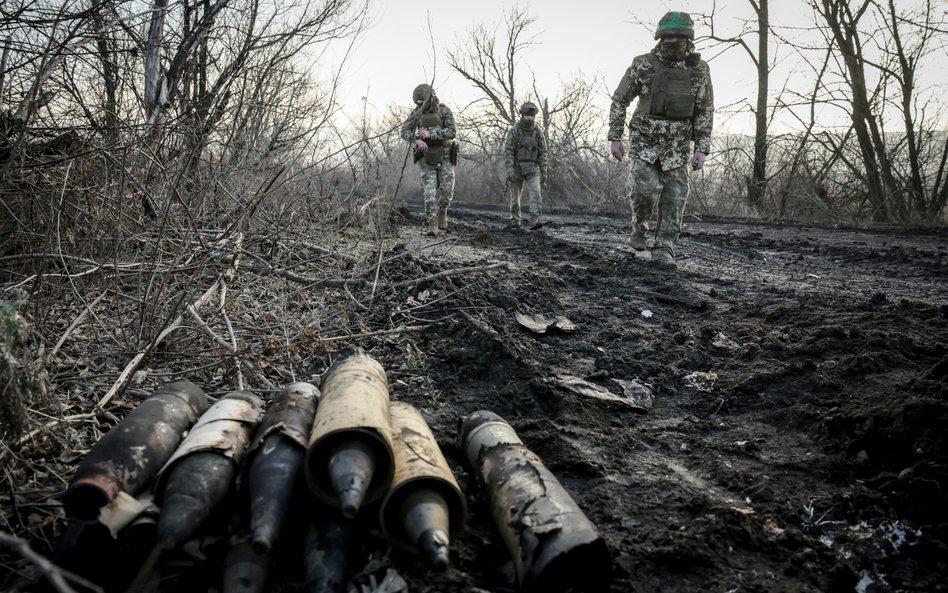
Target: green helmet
{"points": [[529, 108], [421, 93], [675, 23]]}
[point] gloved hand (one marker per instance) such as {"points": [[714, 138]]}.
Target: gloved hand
{"points": [[421, 146], [618, 149], [697, 161], [423, 134]]}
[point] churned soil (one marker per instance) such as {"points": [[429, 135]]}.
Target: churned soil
{"points": [[796, 436], [796, 440]]}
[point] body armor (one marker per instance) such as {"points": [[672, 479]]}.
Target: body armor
{"points": [[527, 148], [435, 152], [670, 96]]}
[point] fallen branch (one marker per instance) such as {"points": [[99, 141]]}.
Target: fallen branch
{"points": [[446, 273], [268, 270], [381, 332], [480, 325], [75, 323]]}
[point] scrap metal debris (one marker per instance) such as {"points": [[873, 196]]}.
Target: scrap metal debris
{"points": [[634, 394], [541, 324], [700, 380]]}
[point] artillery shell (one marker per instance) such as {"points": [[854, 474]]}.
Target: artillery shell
{"points": [[326, 556], [245, 570], [349, 461], [555, 547], [272, 477], [424, 504], [128, 457], [199, 475], [276, 460], [196, 486]]}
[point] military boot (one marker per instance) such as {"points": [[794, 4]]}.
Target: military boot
{"points": [[638, 241], [664, 259], [432, 228], [443, 219], [534, 223]]}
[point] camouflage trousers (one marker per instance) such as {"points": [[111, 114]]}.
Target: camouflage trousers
{"points": [[534, 200], [650, 186], [437, 187]]}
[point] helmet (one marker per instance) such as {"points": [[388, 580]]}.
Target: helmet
{"points": [[421, 93], [675, 23], [528, 108]]}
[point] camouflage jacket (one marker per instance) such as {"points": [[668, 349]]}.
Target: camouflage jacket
{"points": [[653, 138], [512, 163], [446, 132]]}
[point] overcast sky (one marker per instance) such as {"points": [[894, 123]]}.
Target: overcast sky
{"points": [[595, 38]]}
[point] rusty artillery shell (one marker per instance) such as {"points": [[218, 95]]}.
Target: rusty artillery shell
{"points": [[199, 475], [555, 547], [424, 504], [326, 554], [276, 460], [245, 569], [128, 457], [349, 461]]}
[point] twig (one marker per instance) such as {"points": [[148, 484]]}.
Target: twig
{"points": [[381, 332], [122, 380], [54, 574], [451, 272], [75, 323], [480, 325], [266, 269], [23, 439], [209, 332]]}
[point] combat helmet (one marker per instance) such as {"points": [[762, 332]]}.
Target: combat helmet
{"points": [[529, 108], [421, 93], [676, 23]]}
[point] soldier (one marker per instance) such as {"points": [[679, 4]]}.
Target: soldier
{"points": [[431, 130], [675, 108], [525, 160]]}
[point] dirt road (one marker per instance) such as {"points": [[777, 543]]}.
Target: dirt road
{"points": [[796, 440]]}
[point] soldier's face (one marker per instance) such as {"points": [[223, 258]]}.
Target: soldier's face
{"points": [[529, 117], [674, 46]]}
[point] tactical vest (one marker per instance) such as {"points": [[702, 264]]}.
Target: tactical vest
{"points": [[670, 95], [527, 148], [435, 153]]}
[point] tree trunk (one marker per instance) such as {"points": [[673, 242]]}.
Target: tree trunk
{"points": [[758, 183]]}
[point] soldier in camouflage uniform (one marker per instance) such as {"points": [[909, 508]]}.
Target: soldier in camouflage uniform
{"points": [[431, 130], [525, 161], [675, 108]]}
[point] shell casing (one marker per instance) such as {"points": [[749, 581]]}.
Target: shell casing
{"points": [[129, 456], [275, 460], [352, 429], [555, 547], [425, 505]]}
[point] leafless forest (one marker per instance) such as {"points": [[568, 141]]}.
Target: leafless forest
{"points": [[178, 198]]}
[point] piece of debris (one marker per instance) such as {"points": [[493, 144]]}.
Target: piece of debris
{"points": [[634, 394], [724, 342], [701, 380], [646, 313], [540, 324]]}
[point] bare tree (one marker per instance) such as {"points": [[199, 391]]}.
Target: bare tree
{"points": [[760, 57], [493, 69]]}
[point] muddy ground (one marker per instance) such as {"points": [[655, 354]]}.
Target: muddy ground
{"points": [[796, 436]]}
